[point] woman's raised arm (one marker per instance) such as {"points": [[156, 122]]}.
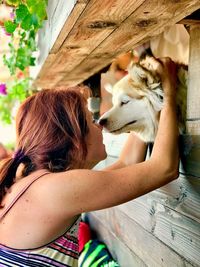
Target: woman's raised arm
{"points": [[88, 190]]}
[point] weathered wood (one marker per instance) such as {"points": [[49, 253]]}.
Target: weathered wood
{"points": [[104, 30], [170, 211], [194, 18], [147, 21], [149, 248], [182, 195], [190, 151], [120, 252], [189, 22], [96, 22], [69, 24], [191, 142], [58, 12], [193, 93]]}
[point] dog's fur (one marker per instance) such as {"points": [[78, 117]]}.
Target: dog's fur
{"points": [[138, 99]]}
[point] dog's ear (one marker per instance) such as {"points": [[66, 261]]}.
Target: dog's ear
{"points": [[140, 75], [108, 87]]}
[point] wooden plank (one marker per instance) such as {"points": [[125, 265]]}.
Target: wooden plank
{"points": [[182, 195], [190, 151], [173, 207], [192, 19], [146, 21], [84, 53], [193, 93], [119, 251], [191, 141], [189, 22], [97, 21], [189, 146], [69, 24], [58, 12], [146, 246]]}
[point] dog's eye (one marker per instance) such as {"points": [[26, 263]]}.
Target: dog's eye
{"points": [[124, 102]]}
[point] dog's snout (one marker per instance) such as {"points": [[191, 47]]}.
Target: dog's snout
{"points": [[102, 122]]}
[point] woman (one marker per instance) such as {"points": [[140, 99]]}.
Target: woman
{"points": [[57, 146]]}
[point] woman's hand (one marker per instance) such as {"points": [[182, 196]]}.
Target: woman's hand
{"points": [[167, 71]]}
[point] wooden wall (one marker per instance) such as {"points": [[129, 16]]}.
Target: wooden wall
{"points": [[161, 228]]}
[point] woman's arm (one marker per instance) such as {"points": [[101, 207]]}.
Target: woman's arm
{"points": [[133, 151], [88, 190], [166, 141]]}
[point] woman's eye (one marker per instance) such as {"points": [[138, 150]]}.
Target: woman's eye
{"points": [[124, 102]]}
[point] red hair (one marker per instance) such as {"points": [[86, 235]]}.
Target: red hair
{"points": [[51, 129]]}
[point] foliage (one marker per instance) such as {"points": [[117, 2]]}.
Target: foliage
{"points": [[17, 91], [27, 19]]}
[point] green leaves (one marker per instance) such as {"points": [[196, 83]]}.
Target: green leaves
{"points": [[38, 7], [28, 19], [29, 16], [10, 26], [17, 92], [21, 13], [22, 57]]}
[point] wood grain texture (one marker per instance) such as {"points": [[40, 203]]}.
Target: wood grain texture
{"points": [[58, 12], [193, 94], [171, 213], [97, 21], [120, 251], [146, 246], [104, 30], [190, 153], [146, 22]]}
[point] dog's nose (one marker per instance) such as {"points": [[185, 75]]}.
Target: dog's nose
{"points": [[102, 122]]}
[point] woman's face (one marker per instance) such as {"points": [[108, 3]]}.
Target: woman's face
{"points": [[94, 141]]}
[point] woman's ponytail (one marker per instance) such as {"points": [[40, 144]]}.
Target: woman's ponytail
{"points": [[8, 169]]}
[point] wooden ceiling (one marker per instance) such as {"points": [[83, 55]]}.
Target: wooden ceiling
{"points": [[96, 31]]}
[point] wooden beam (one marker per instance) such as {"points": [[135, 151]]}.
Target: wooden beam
{"points": [[194, 18], [96, 22], [104, 30], [58, 13]]}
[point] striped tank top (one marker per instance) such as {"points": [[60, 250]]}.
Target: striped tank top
{"points": [[63, 251]]}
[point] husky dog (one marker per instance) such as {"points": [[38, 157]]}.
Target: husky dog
{"points": [[138, 99]]}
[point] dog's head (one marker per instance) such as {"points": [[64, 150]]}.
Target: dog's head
{"points": [[137, 100]]}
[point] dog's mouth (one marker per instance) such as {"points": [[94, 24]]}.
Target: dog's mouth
{"points": [[119, 129]]}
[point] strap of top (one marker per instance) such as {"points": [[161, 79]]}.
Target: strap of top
{"points": [[21, 193]]}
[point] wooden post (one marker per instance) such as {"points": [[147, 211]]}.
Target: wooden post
{"points": [[192, 140], [193, 94]]}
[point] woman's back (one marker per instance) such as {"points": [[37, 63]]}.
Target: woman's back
{"points": [[41, 234]]}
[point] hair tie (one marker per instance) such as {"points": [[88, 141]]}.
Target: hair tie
{"points": [[18, 155]]}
